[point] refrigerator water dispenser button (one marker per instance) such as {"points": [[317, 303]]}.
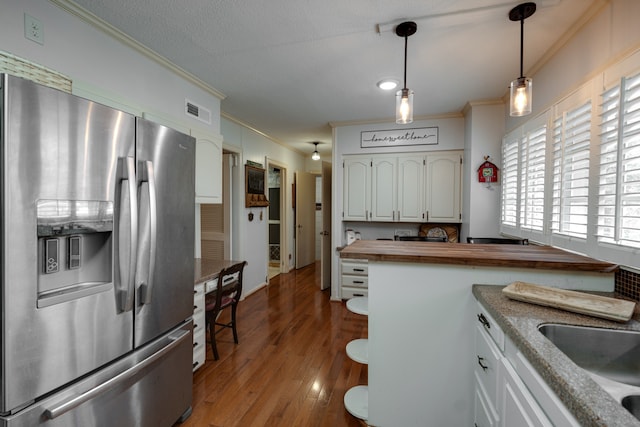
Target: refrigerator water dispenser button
{"points": [[51, 255], [74, 252]]}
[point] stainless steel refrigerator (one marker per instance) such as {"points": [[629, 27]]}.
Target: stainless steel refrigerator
{"points": [[97, 263]]}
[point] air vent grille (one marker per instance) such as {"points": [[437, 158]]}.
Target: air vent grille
{"points": [[197, 111]]}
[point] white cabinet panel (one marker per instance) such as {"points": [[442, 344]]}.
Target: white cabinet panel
{"points": [[208, 167], [383, 189], [443, 190], [357, 188], [410, 189]]}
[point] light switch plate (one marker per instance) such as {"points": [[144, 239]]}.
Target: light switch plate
{"points": [[33, 29]]}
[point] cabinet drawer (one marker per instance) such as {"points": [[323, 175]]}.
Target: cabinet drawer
{"points": [[199, 356], [355, 281], [211, 285], [487, 359], [355, 269], [354, 292], [490, 326]]}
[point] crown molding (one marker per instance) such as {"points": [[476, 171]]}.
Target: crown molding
{"points": [[457, 115], [112, 31]]}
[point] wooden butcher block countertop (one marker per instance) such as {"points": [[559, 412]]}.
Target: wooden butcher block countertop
{"points": [[490, 255]]}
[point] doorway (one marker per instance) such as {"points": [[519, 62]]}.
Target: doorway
{"points": [[276, 214]]}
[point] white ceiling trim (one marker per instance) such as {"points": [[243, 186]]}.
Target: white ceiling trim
{"points": [[98, 23]]}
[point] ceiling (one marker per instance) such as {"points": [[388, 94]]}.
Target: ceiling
{"points": [[288, 68]]}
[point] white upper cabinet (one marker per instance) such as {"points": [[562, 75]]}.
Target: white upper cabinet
{"points": [[208, 167], [357, 188], [420, 187], [383, 189], [443, 189], [410, 189]]}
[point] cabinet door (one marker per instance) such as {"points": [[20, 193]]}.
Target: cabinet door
{"points": [[410, 189], [443, 191], [356, 203], [517, 406], [208, 167], [383, 189]]}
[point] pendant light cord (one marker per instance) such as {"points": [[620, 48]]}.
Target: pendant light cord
{"points": [[405, 61], [521, 46]]}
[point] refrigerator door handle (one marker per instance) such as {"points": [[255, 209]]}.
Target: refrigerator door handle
{"points": [[130, 177], [122, 380], [149, 176]]}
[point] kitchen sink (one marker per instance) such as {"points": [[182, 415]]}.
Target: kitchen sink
{"points": [[611, 353], [632, 404], [610, 356]]}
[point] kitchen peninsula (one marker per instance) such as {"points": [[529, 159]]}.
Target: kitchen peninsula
{"points": [[421, 318]]}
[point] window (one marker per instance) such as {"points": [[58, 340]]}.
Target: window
{"points": [[532, 167], [619, 186], [523, 178], [509, 207], [570, 200]]}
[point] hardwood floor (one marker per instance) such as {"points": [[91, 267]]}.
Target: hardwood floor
{"points": [[289, 368]]}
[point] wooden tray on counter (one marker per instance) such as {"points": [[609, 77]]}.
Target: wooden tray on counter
{"points": [[577, 302]]}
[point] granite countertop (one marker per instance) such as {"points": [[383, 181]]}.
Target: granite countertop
{"points": [[510, 256], [208, 269], [589, 403]]}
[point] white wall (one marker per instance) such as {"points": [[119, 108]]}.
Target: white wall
{"points": [[253, 236], [484, 129], [95, 60], [603, 40]]}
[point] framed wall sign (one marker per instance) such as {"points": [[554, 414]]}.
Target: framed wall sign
{"points": [[254, 179], [399, 137]]}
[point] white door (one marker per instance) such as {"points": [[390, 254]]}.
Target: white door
{"points": [[325, 260], [305, 218]]}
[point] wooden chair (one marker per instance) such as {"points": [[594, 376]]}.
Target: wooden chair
{"points": [[227, 294], [498, 240]]}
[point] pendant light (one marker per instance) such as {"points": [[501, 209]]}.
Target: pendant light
{"points": [[315, 155], [521, 88], [404, 97]]}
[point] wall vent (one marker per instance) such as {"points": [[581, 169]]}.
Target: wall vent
{"points": [[197, 111]]}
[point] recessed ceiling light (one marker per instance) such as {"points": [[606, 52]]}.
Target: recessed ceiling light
{"points": [[387, 84]]}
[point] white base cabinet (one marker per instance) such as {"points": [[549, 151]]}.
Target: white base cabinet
{"points": [[508, 390], [199, 326], [354, 278]]}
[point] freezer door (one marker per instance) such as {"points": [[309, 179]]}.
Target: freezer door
{"points": [[150, 387], [166, 182], [62, 313]]}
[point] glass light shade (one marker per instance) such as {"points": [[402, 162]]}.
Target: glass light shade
{"points": [[404, 106], [521, 96], [315, 155]]}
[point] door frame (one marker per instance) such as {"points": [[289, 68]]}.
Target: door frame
{"points": [[284, 235]]}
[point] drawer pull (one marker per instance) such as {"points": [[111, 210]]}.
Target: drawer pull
{"points": [[359, 269], [484, 321], [196, 364], [358, 281], [195, 344], [358, 295], [195, 326], [483, 366]]}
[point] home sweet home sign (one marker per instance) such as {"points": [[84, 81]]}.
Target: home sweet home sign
{"points": [[399, 137]]}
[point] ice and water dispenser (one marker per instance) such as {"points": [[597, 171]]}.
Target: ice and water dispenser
{"points": [[74, 249]]}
